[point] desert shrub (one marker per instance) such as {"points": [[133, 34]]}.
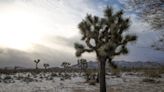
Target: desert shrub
{"points": [[41, 77], [92, 82], [112, 89], [0, 79], [152, 73], [8, 79], [84, 90], [149, 80], [91, 75], [66, 76], [88, 75], [27, 79], [19, 77], [15, 77], [34, 74], [74, 75], [59, 74], [62, 79], [79, 90], [49, 78], [115, 72], [161, 70], [28, 75], [54, 75]]}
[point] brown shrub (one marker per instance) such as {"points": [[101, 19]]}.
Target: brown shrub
{"points": [[149, 80], [92, 82], [152, 73]]}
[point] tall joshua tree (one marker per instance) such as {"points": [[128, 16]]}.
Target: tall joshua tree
{"points": [[45, 66], [36, 63], [106, 36]]}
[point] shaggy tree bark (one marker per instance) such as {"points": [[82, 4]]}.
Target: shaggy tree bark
{"points": [[102, 75]]}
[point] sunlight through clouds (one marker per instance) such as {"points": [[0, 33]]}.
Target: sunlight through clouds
{"points": [[47, 29], [20, 27], [23, 25], [35, 26]]}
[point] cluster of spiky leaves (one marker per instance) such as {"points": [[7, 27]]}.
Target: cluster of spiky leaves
{"points": [[82, 63], [37, 61], [105, 35], [46, 65]]}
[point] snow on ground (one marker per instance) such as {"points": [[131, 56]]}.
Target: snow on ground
{"points": [[45, 84], [27, 82], [133, 83]]}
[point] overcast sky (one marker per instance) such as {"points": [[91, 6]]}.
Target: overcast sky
{"points": [[47, 29]]}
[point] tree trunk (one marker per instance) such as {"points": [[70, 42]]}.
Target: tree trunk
{"points": [[36, 66], [102, 75]]}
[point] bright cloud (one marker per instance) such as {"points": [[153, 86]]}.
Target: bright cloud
{"points": [[47, 29]]}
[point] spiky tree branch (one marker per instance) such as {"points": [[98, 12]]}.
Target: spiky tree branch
{"points": [[151, 11]]}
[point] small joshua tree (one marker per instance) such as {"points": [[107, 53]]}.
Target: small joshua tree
{"points": [[106, 37], [82, 63], [36, 62], [45, 66], [65, 65]]}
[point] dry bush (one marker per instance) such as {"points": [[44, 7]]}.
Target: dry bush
{"points": [[152, 73], [114, 90], [8, 79], [161, 70], [116, 72], [83, 90], [149, 80], [92, 82], [54, 75], [79, 90], [88, 74]]}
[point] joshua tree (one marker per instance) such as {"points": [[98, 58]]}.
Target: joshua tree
{"points": [[15, 67], [36, 62], [82, 63], [65, 65], [45, 66], [106, 37]]}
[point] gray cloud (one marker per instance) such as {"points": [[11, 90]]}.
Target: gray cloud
{"points": [[10, 57], [66, 14]]}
